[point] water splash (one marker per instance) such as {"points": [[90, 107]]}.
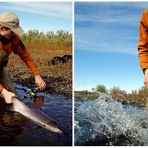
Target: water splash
{"points": [[105, 121]]}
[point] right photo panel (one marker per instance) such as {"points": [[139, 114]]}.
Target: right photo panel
{"points": [[111, 74]]}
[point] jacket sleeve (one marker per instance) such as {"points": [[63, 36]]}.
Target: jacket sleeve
{"points": [[143, 41], [1, 88], [25, 56]]}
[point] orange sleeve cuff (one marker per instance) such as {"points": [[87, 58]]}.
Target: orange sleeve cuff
{"points": [[1, 88], [33, 69]]}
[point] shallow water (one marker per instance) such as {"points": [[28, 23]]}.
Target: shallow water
{"points": [[16, 129], [105, 121]]}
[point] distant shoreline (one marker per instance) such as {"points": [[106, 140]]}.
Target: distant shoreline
{"points": [[125, 99]]}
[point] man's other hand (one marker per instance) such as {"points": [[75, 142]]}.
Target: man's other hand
{"points": [[40, 82], [8, 96]]}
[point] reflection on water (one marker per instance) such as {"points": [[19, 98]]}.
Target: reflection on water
{"points": [[15, 129], [38, 102], [105, 121]]}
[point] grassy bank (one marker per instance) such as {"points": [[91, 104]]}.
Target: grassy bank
{"points": [[136, 97]]}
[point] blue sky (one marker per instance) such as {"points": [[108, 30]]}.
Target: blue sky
{"points": [[44, 16], [106, 40]]}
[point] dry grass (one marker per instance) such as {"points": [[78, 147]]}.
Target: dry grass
{"points": [[41, 58], [139, 100]]}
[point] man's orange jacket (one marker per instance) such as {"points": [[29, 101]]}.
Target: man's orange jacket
{"points": [[143, 41], [14, 44]]}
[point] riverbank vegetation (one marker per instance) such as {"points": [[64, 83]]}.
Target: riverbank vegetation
{"points": [[137, 97], [59, 40]]}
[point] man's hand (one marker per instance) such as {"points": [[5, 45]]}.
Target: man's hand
{"points": [[146, 78], [40, 82], [8, 96]]}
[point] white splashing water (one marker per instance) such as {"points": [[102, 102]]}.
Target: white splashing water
{"points": [[105, 121]]}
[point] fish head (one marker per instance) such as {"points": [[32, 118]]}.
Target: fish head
{"points": [[53, 127]]}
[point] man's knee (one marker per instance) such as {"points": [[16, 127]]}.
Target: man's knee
{"points": [[3, 58]]}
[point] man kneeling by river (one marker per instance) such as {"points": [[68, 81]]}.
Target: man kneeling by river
{"points": [[10, 42]]}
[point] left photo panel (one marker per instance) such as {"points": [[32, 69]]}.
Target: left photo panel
{"points": [[36, 73]]}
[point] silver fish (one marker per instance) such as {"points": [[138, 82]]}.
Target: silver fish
{"points": [[37, 116]]}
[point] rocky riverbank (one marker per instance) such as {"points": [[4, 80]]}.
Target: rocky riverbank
{"points": [[125, 99]]}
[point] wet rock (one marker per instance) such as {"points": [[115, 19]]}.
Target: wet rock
{"points": [[58, 59]]}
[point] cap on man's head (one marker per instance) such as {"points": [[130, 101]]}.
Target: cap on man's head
{"points": [[10, 20]]}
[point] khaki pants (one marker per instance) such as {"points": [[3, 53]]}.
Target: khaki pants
{"points": [[4, 77]]}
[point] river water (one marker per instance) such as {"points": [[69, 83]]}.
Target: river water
{"points": [[16, 129], [105, 121]]}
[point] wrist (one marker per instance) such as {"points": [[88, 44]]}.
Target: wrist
{"points": [[4, 91], [37, 76], [146, 71], [1, 90]]}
